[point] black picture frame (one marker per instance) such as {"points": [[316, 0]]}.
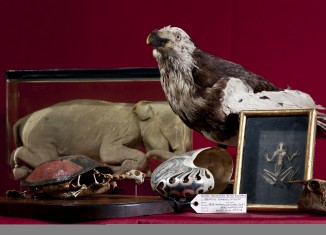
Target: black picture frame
{"points": [[275, 147]]}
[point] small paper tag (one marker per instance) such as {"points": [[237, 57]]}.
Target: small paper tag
{"points": [[220, 203]]}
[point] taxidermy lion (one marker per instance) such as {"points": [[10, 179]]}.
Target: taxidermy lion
{"points": [[108, 132]]}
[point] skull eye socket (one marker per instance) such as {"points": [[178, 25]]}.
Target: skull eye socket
{"points": [[313, 185]]}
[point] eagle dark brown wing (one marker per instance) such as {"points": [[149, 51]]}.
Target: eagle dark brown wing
{"points": [[211, 69]]}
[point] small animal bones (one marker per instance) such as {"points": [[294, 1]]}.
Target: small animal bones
{"points": [[280, 175]]}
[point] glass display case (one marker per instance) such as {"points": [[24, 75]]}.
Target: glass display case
{"points": [[31, 90]]}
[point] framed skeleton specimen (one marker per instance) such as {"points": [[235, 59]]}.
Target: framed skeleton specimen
{"points": [[275, 147]]}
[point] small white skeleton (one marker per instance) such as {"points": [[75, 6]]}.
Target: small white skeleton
{"points": [[279, 156]]}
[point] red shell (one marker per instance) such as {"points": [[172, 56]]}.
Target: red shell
{"points": [[60, 170]]}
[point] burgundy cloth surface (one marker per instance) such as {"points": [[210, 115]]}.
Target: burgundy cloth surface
{"points": [[189, 217]]}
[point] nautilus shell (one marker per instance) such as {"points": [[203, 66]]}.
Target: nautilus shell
{"points": [[191, 173]]}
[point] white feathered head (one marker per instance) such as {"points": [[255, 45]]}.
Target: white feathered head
{"points": [[170, 41]]}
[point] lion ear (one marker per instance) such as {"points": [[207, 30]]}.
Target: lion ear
{"points": [[143, 110]]}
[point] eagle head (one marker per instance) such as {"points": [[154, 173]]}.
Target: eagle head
{"points": [[170, 42]]}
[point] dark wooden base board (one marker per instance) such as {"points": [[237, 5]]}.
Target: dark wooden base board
{"points": [[95, 207]]}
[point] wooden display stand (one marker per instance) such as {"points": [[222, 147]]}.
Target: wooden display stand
{"points": [[95, 207]]}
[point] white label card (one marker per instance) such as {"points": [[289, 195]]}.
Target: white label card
{"points": [[220, 203]]}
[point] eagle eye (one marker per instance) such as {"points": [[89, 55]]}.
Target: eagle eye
{"points": [[178, 37]]}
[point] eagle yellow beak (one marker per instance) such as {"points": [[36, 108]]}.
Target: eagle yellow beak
{"points": [[155, 40]]}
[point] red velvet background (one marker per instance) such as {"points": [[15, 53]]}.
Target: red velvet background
{"points": [[284, 41]]}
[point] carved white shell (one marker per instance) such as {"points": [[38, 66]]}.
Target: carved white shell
{"points": [[190, 173]]}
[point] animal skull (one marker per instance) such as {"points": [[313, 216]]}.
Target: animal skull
{"points": [[313, 198]]}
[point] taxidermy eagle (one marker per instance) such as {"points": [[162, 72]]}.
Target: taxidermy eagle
{"points": [[208, 92]]}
